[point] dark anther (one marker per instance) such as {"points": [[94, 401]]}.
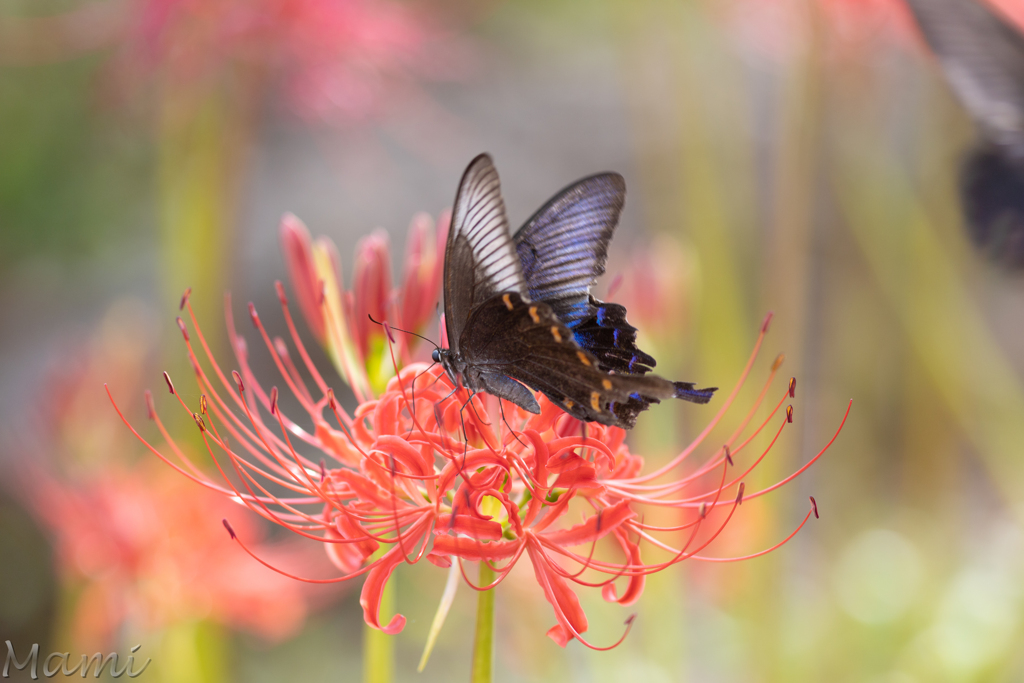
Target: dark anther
{"points": [[167, 378], [184, 298], [228, 527]]}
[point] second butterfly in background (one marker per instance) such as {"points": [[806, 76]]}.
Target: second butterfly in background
{"points": [[519, 312], [982, 57]]}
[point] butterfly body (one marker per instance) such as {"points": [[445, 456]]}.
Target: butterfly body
{"points": [[519, 313]]}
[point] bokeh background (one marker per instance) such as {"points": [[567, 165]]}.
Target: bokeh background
{"points": [[798, 156]]}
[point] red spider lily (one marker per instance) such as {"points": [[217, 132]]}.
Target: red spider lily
{"points": [[428, 471], [139, 545], [142, 548], [333, 58], [340, 319], [338, 60]]}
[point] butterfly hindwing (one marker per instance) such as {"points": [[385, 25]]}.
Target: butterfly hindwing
{"points": [[525, 341], [564, 246], [563, 249]]}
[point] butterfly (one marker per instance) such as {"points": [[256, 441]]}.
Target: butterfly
{"points": [[982, 57], [519, 314]]}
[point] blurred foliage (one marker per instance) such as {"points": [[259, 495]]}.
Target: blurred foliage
{"points": [[75, 173]]}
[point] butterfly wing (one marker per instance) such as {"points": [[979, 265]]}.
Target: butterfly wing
{"points": [[982, 56], [509, 338], [564, 246], [563, 249], [480, 259]]}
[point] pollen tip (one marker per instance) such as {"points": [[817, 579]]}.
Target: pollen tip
{"points": [[814, 507], [238, 380], [792, 387], [387, 331], [703, 510], [184, 298], [199, 422], [202, 404], [779, 360], [253, 315], [150, 409], [170, 385], [739, 494], [273, 400], [630, 619], [323, 470], [728, 454], [789, 414], [331, 401], [231, 532], [767, 322], [281, 296], [181, 326]]}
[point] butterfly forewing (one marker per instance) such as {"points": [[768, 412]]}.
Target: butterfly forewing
{"points": [[480, 259], [982, 55]]}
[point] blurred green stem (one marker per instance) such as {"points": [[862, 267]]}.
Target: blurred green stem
{"points": [[379, 647], [483, 642], [190, 651], [968, 369]]}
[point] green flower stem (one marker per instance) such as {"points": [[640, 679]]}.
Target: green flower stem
{"points": [[379, 647], [483, 642]]}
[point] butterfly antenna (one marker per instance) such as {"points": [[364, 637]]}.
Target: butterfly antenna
{"points": [[398, 329]]}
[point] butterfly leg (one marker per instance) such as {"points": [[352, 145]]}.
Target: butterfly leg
{"points": [[511, 431]]}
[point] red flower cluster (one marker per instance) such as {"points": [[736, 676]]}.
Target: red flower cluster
{"points": [[137, 545], [428, 471]]}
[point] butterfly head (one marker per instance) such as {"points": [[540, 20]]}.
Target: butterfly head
{"points": [[453, 365]]}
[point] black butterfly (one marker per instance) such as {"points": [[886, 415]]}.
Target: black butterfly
{"points": [[982, 56], [518, 310]]}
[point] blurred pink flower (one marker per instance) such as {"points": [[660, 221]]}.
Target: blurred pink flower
{"points": [[141, 547], [332, 58], [656, 279], [428, 471], [148, 550], [849, 28]]}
